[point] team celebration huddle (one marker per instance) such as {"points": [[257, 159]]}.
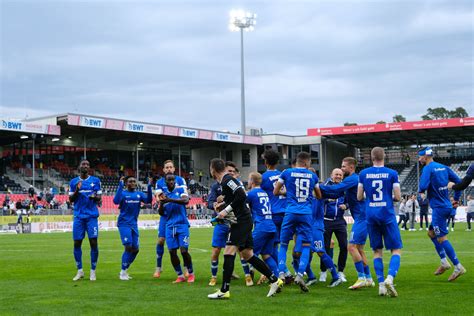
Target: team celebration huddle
{"points": [[259, 221]]}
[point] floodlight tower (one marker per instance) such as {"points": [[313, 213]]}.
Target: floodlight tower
{"points": [[242, 20]]}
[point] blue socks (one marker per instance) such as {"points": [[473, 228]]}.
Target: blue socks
{"points": [[282, 257], [271, 263], [132, 257], [214, 267], [178, 270], [360, 269], [190, 268], [295, 262], [378, 267], [160, 250], [448, 248], [394, 265], [275, 253], [439, 248], [304, 260], [126, 260], [245, 266], [78, 257], [326, 259], [94, 257], [367, 272]]}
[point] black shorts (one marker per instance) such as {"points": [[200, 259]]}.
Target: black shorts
{"points": [[240, 235]]}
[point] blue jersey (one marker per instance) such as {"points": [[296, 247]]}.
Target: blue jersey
{"points": [[318, 214], [378, 184], [176, 213], [299, 183], [83, 206], [435, 178], [331, 206], [161, 186], [470, 171], [259, 204], [269, 179], [348, 186], [129, 204]]}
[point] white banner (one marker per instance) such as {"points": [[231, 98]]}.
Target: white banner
{"points": [[95, 122]]}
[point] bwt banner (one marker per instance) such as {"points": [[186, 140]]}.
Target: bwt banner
{"points": [[95, 122], [29, 127], [143, 128], [226, 137], [187, 132]]}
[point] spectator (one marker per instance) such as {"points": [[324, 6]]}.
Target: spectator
{"points": [[469, 211], [31, 191], [412, 207], [424, 206], [407, 160], [452, 216], [402, 216], [200, 174]]}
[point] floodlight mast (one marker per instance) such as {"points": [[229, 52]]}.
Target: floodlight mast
{"points": [[241, 20]]}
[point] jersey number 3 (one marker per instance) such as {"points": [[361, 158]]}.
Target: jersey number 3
{"points": [[378, 195]]}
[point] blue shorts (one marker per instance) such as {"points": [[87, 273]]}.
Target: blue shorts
{"points": [[439, 218], [129, 236], [318, 241], [278, 220], [177, 236], [299, 224], [263, 242], [219, 236], [81, 225], [358, 232], [388, 231], [162, 227]]}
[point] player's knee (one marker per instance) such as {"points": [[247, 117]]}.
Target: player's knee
{"points": [[77, 243], [135, 250], [93, 243], [128, 248], [183, 250]]}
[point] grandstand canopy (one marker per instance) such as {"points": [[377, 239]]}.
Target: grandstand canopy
{"points": [[446, 131], [12, 130]]}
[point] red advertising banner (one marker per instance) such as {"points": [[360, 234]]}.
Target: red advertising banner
{"points": [[390, 127]]}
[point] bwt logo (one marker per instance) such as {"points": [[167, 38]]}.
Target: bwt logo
{"points": [[222, 136], [188, 133], [93, 122], [11, 125], [136, 127]]}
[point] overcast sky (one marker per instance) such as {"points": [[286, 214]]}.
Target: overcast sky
{"points": [[308, 63]]}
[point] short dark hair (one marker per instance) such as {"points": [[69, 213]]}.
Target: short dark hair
{"points": [[271, 157], [218, 165], [293, 161], [303, 157], [350, 160], [230, 164]]}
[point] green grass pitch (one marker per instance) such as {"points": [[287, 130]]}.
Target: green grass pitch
{"points": [[36, 273]]}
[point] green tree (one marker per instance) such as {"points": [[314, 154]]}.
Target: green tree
{"points": [[458, 112], [381, 122], [399, 118], [350, 124], [443, 113]]}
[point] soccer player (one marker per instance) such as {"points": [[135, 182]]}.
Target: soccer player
{"points": [[278, 203], [173, 203], [221, 230], [300, 184], [434, 179], [234, 209], [378, 183], [264, 231], [129, 204], [168, 167], [334, 222], [358, 237], [85, 192]]}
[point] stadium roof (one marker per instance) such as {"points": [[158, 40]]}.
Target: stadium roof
{"points": [[446, 131], [112, 127]]}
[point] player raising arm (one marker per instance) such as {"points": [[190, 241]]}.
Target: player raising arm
{"points": [[129, 202], [378, 183]]}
